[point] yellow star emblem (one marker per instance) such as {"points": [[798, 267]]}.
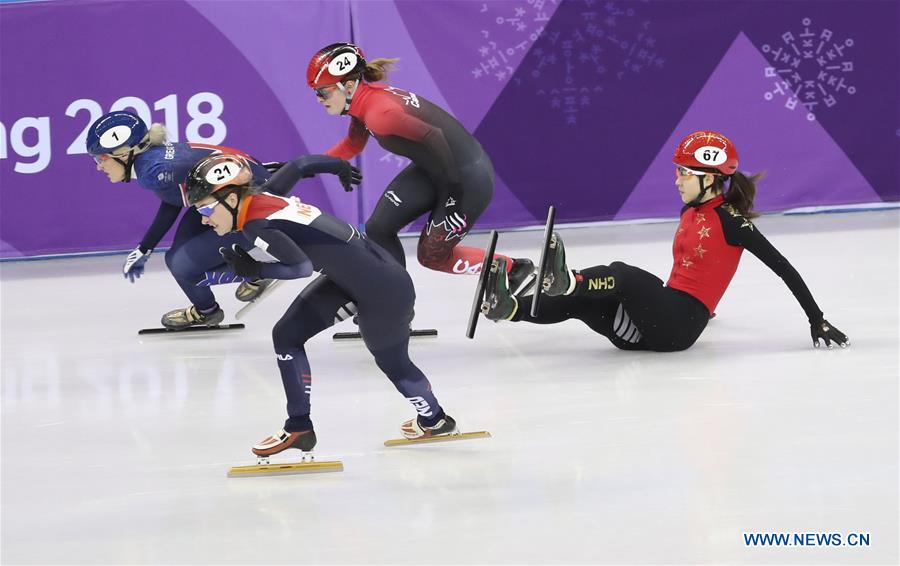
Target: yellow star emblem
{"points": [[685, 262], [699, 251], [701, 217], [704, 232]]}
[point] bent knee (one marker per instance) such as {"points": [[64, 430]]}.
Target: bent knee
{"points": [[179, 263], [288, 334], [433, 256]]}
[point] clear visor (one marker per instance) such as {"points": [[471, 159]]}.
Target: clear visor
{"points": [[207, 210], [684, 172]]}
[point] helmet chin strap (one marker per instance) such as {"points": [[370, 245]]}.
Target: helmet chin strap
{"points": [[128, 163], [232, 209], [699, 198], [348, 97]]}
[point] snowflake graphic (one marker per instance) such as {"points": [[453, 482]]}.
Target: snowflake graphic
{"points": [[609, 41], [501, 49]]}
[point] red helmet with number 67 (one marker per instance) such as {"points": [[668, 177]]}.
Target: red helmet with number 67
{"points": [[707, 150], [334, 63]]}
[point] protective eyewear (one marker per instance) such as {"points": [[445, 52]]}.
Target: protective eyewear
{"points": [[105, 156], [684, 172], [207, 210], [324, 92]]}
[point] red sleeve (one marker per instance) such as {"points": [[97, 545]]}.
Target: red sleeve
{"points": [[353, 144]]}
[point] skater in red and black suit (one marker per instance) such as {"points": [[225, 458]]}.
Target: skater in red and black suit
{"points": [[355, 272], [633, 308], [451, 177]]}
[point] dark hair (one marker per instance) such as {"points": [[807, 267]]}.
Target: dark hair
{"points": [[740, 192], [240, 190]]}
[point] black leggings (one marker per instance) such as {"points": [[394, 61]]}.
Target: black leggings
{"points": [[413, 193], [631, 307]]}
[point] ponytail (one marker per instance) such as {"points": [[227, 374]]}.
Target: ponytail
{"points": [[741, 192], [156, 135], [377, 69]]}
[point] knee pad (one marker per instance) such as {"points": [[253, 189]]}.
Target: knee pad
{"points": [[433, 252]]}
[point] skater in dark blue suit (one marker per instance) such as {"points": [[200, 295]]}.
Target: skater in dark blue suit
{"points": [[124, 148], [354, 271]]}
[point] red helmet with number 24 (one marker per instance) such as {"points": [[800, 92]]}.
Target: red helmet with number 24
{"points": [[334, 63], [707, 150]]}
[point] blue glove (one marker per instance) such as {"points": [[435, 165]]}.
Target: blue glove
{"points": [[310, 165], [134, 263]]}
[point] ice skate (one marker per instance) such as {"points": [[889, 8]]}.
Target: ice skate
{"points": [[181, 319], [282, 440], [558, 280], [521, 277], [264, 287], [249, 291], [444, 430], [499, 304], [279, 442]]}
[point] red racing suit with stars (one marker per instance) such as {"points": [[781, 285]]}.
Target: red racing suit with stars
{"points": [[450, 175], [636, 311], [708, 246]]}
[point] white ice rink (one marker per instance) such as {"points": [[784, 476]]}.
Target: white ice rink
{"points": [[115, 447]]}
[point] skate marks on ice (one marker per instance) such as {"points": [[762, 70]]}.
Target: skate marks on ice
{"points": [[307, 465], [442, 438]]}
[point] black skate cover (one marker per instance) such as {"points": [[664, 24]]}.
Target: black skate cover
{"points": [[420, 333]]}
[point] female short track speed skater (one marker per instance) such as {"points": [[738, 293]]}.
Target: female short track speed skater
{"points": [[632, 307], [124, 148], [451, 177], [356, 274]]}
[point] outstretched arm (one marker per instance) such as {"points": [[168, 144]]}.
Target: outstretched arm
{"points": [[353, 144], [740, 231], [304, 166]]}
